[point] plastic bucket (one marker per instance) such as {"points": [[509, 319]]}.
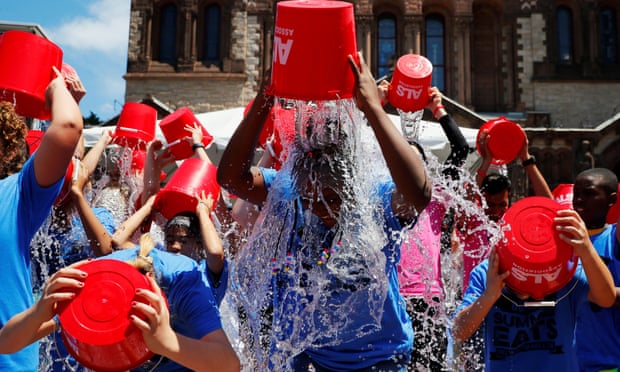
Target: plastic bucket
{"points": [[283, 134], [411, 80], [505, 139], [136, 125], [173, 129], [539, 262], [26, 62], [563, 194], [312, 41], [95, 325], [189, 180], [33, 139]]}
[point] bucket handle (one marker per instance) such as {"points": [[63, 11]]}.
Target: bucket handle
{"points": [[133, 130]]}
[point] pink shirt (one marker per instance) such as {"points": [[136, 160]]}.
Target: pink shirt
{"points": [[419, 272]]}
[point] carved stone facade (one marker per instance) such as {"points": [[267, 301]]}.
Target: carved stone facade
{"points": [[500, 57]]}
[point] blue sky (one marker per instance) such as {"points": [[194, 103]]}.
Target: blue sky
{"points": [[93, 35]]}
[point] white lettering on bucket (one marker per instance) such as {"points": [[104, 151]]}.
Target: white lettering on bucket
{"points": [[284, 31], [281, 50], [523, 274], [408, 93]]}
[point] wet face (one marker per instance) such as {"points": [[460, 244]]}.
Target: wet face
{"points": [[180, 240], [591, 200], [325, 203], [497, 204]]}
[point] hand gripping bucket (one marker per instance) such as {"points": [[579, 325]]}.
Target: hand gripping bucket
{"points": [[173, 129], [412, 78], [96, 328], [312, 41], [539, 262], [505, 139], [191, 178], [26, 62], [563, 194], [136, 125]]}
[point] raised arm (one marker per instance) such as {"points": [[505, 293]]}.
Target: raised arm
{"points": [[468, 320], [413, 187], [574, 232], [235, 171], [91, 159], [211, 242], [539, 184], [98, 237], [61, 138], [122, 236]]}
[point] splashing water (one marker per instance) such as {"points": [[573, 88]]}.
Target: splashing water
{"points": [[411, 124], [319, 286]]}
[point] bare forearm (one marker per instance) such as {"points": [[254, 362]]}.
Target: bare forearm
{"points": [[212, 243], [469, 319], [98, 237], [602, 289], [22, 330], [201, 355]]}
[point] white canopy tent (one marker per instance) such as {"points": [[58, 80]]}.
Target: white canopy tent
{"points": [[222, 124]]}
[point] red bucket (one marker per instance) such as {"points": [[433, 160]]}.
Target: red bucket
{"points": [[33, 139], [539, 262], [283, 134], [96, 328], [505, 139], [189, 180], [136, 125], [312, 41], [26, 62], [412, 77], [563, 194], [173, 129]]}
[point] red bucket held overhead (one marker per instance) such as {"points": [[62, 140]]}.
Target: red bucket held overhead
{"points": [[412, 78], [96, 328], [505, 139], [563, 194], [312, 41], [173, 129], [136, 125], [26, 62], [539, 262], [189, 180]]}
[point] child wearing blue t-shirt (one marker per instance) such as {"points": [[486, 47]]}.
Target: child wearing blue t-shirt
{"points": [[518, 337]]}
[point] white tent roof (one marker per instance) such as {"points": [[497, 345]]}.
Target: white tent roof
{"points": [[221, 125]]}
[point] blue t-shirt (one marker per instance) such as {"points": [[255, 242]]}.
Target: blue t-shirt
{"points": [[193, 311], [597, 335], [25, 205], [54, 247], [519, 338], [393, 340], [218, 284]]}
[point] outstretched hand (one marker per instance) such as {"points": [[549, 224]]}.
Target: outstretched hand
{"points": [[366, 92]]}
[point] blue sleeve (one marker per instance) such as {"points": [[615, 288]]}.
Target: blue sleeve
{"points": [[194, 311], [36, 201], [106, 218], [219, 283], [476, 286]]}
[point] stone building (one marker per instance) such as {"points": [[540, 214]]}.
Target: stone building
{"points": [[551, 65]]}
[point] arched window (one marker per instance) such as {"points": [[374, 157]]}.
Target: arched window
{"points": [[212, 35], [435, 48], [564, 35], [386, 40], [608, 36], [168, 34]]}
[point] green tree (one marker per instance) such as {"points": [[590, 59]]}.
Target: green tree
{"points": [[92, 120]]}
